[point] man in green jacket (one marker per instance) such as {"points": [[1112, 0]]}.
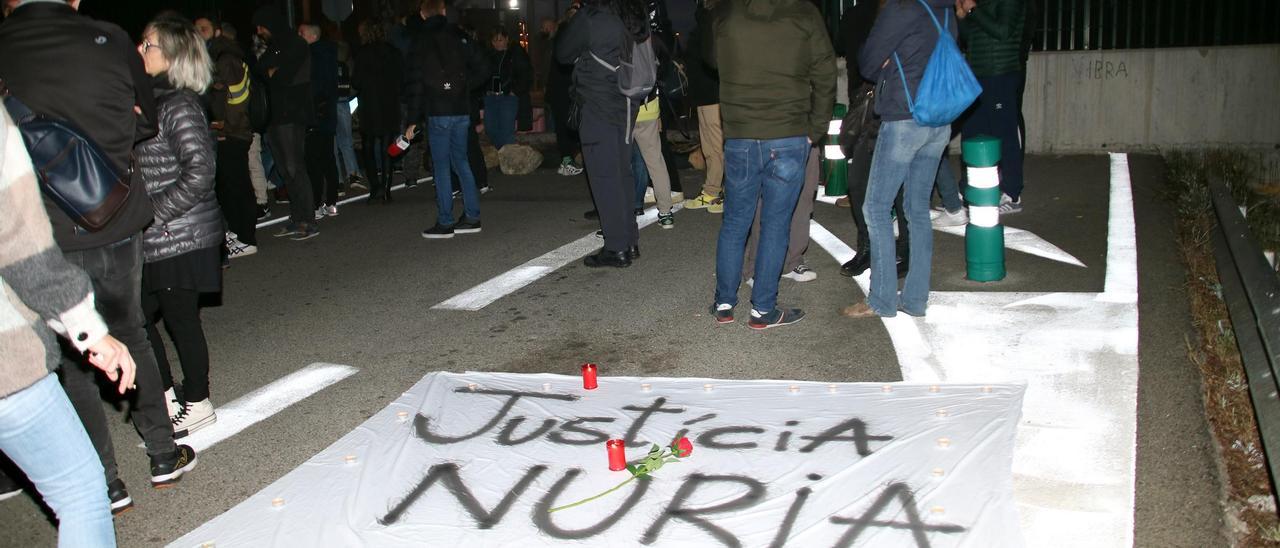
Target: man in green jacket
{"points": [[777, 87], [992, 31]]}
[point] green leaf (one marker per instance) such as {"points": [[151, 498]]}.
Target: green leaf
{"points": [[655, 449], [632, 468]]}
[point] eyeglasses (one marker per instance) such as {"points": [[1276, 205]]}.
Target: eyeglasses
{"points": [[146, 46]]}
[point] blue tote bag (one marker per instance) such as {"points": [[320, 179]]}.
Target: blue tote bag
{"points": [[948, 86]]}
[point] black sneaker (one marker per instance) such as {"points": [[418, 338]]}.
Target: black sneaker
{"points": [[291, 229], [309, 231], [779, 317], [438, 232], [724, 315], [467, 226], [8, 487], [264, 212], [166, 470], [120, 499]]}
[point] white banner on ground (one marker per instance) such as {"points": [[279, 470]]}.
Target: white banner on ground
{"points": [[477, 459]]}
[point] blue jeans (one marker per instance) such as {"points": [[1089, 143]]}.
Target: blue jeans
{"points": [[948, 188], [344, 144], [448, 137], [500, 119], [640, 171], [770, 173], [906, 154], [40, 432]]}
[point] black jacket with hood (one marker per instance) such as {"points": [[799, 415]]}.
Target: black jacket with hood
{"points": [[596, 30], [286, 66], [69, 67], [228, 71], [903, 27], [439, 42]]}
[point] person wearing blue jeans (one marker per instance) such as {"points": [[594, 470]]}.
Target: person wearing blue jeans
{"points": [[448, 138], [345, 145], [907, 154], [768, 172], [500, 118]]}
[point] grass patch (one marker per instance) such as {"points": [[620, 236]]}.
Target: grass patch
{"points": [[1250, 502]]}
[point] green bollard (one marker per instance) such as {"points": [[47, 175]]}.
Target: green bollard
{"points": [[984, 236], [834, 163]]}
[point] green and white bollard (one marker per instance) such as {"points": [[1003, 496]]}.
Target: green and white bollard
{"points": [[984, 237], [834, 162]]}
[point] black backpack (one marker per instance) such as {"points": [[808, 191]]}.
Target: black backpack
{"points": [[73, 172]]}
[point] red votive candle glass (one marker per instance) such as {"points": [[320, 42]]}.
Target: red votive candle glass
{"points": [[589, 376], [617, 454]]}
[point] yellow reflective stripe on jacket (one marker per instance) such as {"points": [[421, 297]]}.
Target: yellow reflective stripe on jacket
{"points": [[239, 93]]}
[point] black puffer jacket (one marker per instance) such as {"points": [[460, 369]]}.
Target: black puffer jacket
{"points": [[177, 166]]}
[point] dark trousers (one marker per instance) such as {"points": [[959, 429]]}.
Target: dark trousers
{"points": [[235, 190], [475, 156], [566, 138], [287, 147], [859, 173], [608, 159], [996, 113], [116, 273], [322, 167], [180, 310], [374, 148]]}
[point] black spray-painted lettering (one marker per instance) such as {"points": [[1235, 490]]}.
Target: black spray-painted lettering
{"points": [[573, 426], [793, 512], [901, 491], [676, 510], [645, 413], [507, 436], [857, 434], [708, 439], [543, 519], [447, 472], [422, 423]]}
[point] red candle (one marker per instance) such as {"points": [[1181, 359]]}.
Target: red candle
{"points": [[589, 376], [617, 455]]}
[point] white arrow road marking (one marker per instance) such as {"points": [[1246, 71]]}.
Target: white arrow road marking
{"points": [[513, 280], [1016, 239], [264, 402], [1078, 353]]}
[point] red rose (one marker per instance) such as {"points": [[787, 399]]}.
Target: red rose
{"points": [[683, 447]]}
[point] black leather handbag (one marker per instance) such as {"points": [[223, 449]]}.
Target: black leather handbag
{"points": [[73, 172]]}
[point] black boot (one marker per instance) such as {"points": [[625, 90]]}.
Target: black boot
{"points": [[386, 187], [858, 264], [633, 252], [375, 187], [618, 259]]}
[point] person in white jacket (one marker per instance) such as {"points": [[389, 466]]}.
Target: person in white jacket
{"points": [[41, 293]]}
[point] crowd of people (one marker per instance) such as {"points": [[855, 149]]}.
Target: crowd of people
{"points": [[205, 125]]}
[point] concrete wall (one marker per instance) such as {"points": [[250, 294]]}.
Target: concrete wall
{"points": [[1156, 98]]}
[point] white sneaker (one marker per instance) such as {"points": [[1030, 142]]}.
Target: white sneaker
{"points": [[802, 273], [172, 404], [320, 212], [237, 248], [193, 416], [1008, 205], [947, 218], [331, 210]]}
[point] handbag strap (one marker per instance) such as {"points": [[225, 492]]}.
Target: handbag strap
{"points": [[942, 29], [910, 106]]}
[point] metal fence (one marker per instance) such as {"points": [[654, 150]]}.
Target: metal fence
{"points": [[1073, 25]]}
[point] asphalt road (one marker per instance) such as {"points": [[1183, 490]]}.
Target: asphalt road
{"points": [[361, 294]]}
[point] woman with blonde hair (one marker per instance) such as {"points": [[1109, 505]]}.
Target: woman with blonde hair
{"points": [[181, 248]]}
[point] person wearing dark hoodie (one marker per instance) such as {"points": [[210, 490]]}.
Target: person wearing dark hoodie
{"points": [[229, 109], [906, 154], [600, 29], [444, 69], [377, 79], [286, 66], [322, 165], [777, 88], [510, 81], [559, 99]]}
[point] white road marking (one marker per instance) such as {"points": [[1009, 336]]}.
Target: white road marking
{"points": [[279, 220], [513, 280], [1016, 239], [264, 402], [1078, 353]]}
